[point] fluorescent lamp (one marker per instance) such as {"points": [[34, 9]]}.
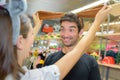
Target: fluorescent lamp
{"points": [[89, 6]]}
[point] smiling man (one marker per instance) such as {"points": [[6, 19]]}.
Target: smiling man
{"points": [[87, 67]]}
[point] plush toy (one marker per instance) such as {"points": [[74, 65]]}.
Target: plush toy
{"points": [[108, 60], [15, 8], [47, 28], [111, 53]]}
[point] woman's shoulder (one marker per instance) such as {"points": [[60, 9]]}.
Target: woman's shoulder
{"points": [[9, 77], [46, 73]]}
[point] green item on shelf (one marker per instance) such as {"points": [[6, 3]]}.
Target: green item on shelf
{"points": [[94, 55], [97, 46], [117, 59]]}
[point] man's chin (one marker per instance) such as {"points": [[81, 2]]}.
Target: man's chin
{"points": [[67, 45]]}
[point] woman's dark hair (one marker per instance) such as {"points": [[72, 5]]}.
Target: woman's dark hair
{"points": [[8, 62], [71, 17]]}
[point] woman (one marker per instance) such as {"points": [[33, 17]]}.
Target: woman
{"points": [[10, 64]]}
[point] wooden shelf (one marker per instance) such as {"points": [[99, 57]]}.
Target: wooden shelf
{"points": [[113, 36], [115, 66]]}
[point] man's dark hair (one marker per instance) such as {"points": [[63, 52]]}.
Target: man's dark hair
{"points": [[71, 17]]}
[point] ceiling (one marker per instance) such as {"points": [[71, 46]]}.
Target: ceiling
{"points": [[56, 5]]}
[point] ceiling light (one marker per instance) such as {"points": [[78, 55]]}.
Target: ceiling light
{"points": [[89, 6]]}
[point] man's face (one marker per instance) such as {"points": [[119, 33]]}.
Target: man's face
{"points": [[69, 33]]}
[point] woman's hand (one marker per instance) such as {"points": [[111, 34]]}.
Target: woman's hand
{"points": [[37, 22], [102, 14]]}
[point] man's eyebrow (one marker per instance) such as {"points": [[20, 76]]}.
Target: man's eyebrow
{"points": [[73, 27], [69, 27]]}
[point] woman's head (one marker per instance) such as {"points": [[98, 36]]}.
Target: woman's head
{"points": [[8, 63], [25, 39]]}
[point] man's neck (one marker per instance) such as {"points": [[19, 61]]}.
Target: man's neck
{"points": [[67, 49]]}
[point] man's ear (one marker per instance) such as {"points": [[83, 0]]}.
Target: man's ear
{"points": [[20, 42], [81, 31]]}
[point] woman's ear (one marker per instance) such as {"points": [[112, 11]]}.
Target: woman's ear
{"points": [[20, 42]]}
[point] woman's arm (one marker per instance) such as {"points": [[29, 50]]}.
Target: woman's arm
{"points": [[37, 23], [66, 63]]}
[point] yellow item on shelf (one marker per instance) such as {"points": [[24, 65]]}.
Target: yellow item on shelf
{"points": [[94, 55], [41, 61], [35, 53]]}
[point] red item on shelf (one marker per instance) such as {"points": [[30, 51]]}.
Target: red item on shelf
{"points": [[108, 60], [47, 29]]}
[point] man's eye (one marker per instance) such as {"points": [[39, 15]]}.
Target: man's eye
{"points": [[72, 30], [61, 29]]}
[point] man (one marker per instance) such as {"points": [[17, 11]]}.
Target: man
{"points": [[87, 67]]}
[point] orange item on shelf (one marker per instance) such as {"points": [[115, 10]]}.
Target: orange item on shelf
{"points": [[108, 60], [47, 29]]}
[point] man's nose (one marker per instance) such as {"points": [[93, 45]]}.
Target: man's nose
{"points": [[66, 33]]}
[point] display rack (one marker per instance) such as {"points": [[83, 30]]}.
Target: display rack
{"points": [[115, 66], [114, 36], [108, 37]]}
